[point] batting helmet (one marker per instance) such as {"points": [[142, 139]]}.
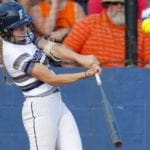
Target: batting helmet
{"points": [[13, 15], [105, 2]]}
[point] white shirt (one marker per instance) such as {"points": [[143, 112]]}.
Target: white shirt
{"points": [[19, 61], [146, 13]]}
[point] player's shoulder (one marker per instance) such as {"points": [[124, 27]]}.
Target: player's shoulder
{"points": [[14, 51], [11, 48]]}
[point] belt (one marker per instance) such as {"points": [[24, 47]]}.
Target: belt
{"points": [[46, 93]]}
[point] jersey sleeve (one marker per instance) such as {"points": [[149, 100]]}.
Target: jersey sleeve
{"points": [[25, 62]]}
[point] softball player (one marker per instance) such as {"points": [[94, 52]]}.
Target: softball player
{"points": [[48, 122]]}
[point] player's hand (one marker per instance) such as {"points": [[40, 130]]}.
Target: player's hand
{"points": [[93, 70], [88, 60]]}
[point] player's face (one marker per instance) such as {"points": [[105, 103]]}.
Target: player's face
{"points": [[116, 12], [23, 35], [20, 33]]}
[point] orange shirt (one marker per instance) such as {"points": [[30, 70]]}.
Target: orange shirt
{"points": [[97, 35], [65, 17]]}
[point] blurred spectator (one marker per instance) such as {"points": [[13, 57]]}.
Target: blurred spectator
{"points": [[141, 6], [27, 4], [103, 35], [83, 3], [146, 11], [55, 18], [94, 6]]}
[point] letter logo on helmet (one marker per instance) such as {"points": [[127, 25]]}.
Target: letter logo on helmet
{"points": [[20, 14], [13, 15]]}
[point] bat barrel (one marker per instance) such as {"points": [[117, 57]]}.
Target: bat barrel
{"points": [[111, 123], [109, 116]]}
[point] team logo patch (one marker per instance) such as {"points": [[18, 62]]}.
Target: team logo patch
{"points": [[37, 55]]}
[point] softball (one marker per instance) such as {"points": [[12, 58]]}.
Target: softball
{"points": [[146, 25]]}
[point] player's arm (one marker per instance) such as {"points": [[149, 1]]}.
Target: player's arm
{"points": [[61, 52], [42, 73]]}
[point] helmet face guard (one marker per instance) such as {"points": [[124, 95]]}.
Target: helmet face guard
{"points": [[12, 16], [27, 38]]}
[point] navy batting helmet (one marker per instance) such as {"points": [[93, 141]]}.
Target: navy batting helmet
{"points": [[13, 15]]}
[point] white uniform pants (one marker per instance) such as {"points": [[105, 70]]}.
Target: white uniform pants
{"points": [[49, 124]]}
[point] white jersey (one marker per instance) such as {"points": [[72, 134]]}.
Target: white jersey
{"points": [[19, 61]]}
